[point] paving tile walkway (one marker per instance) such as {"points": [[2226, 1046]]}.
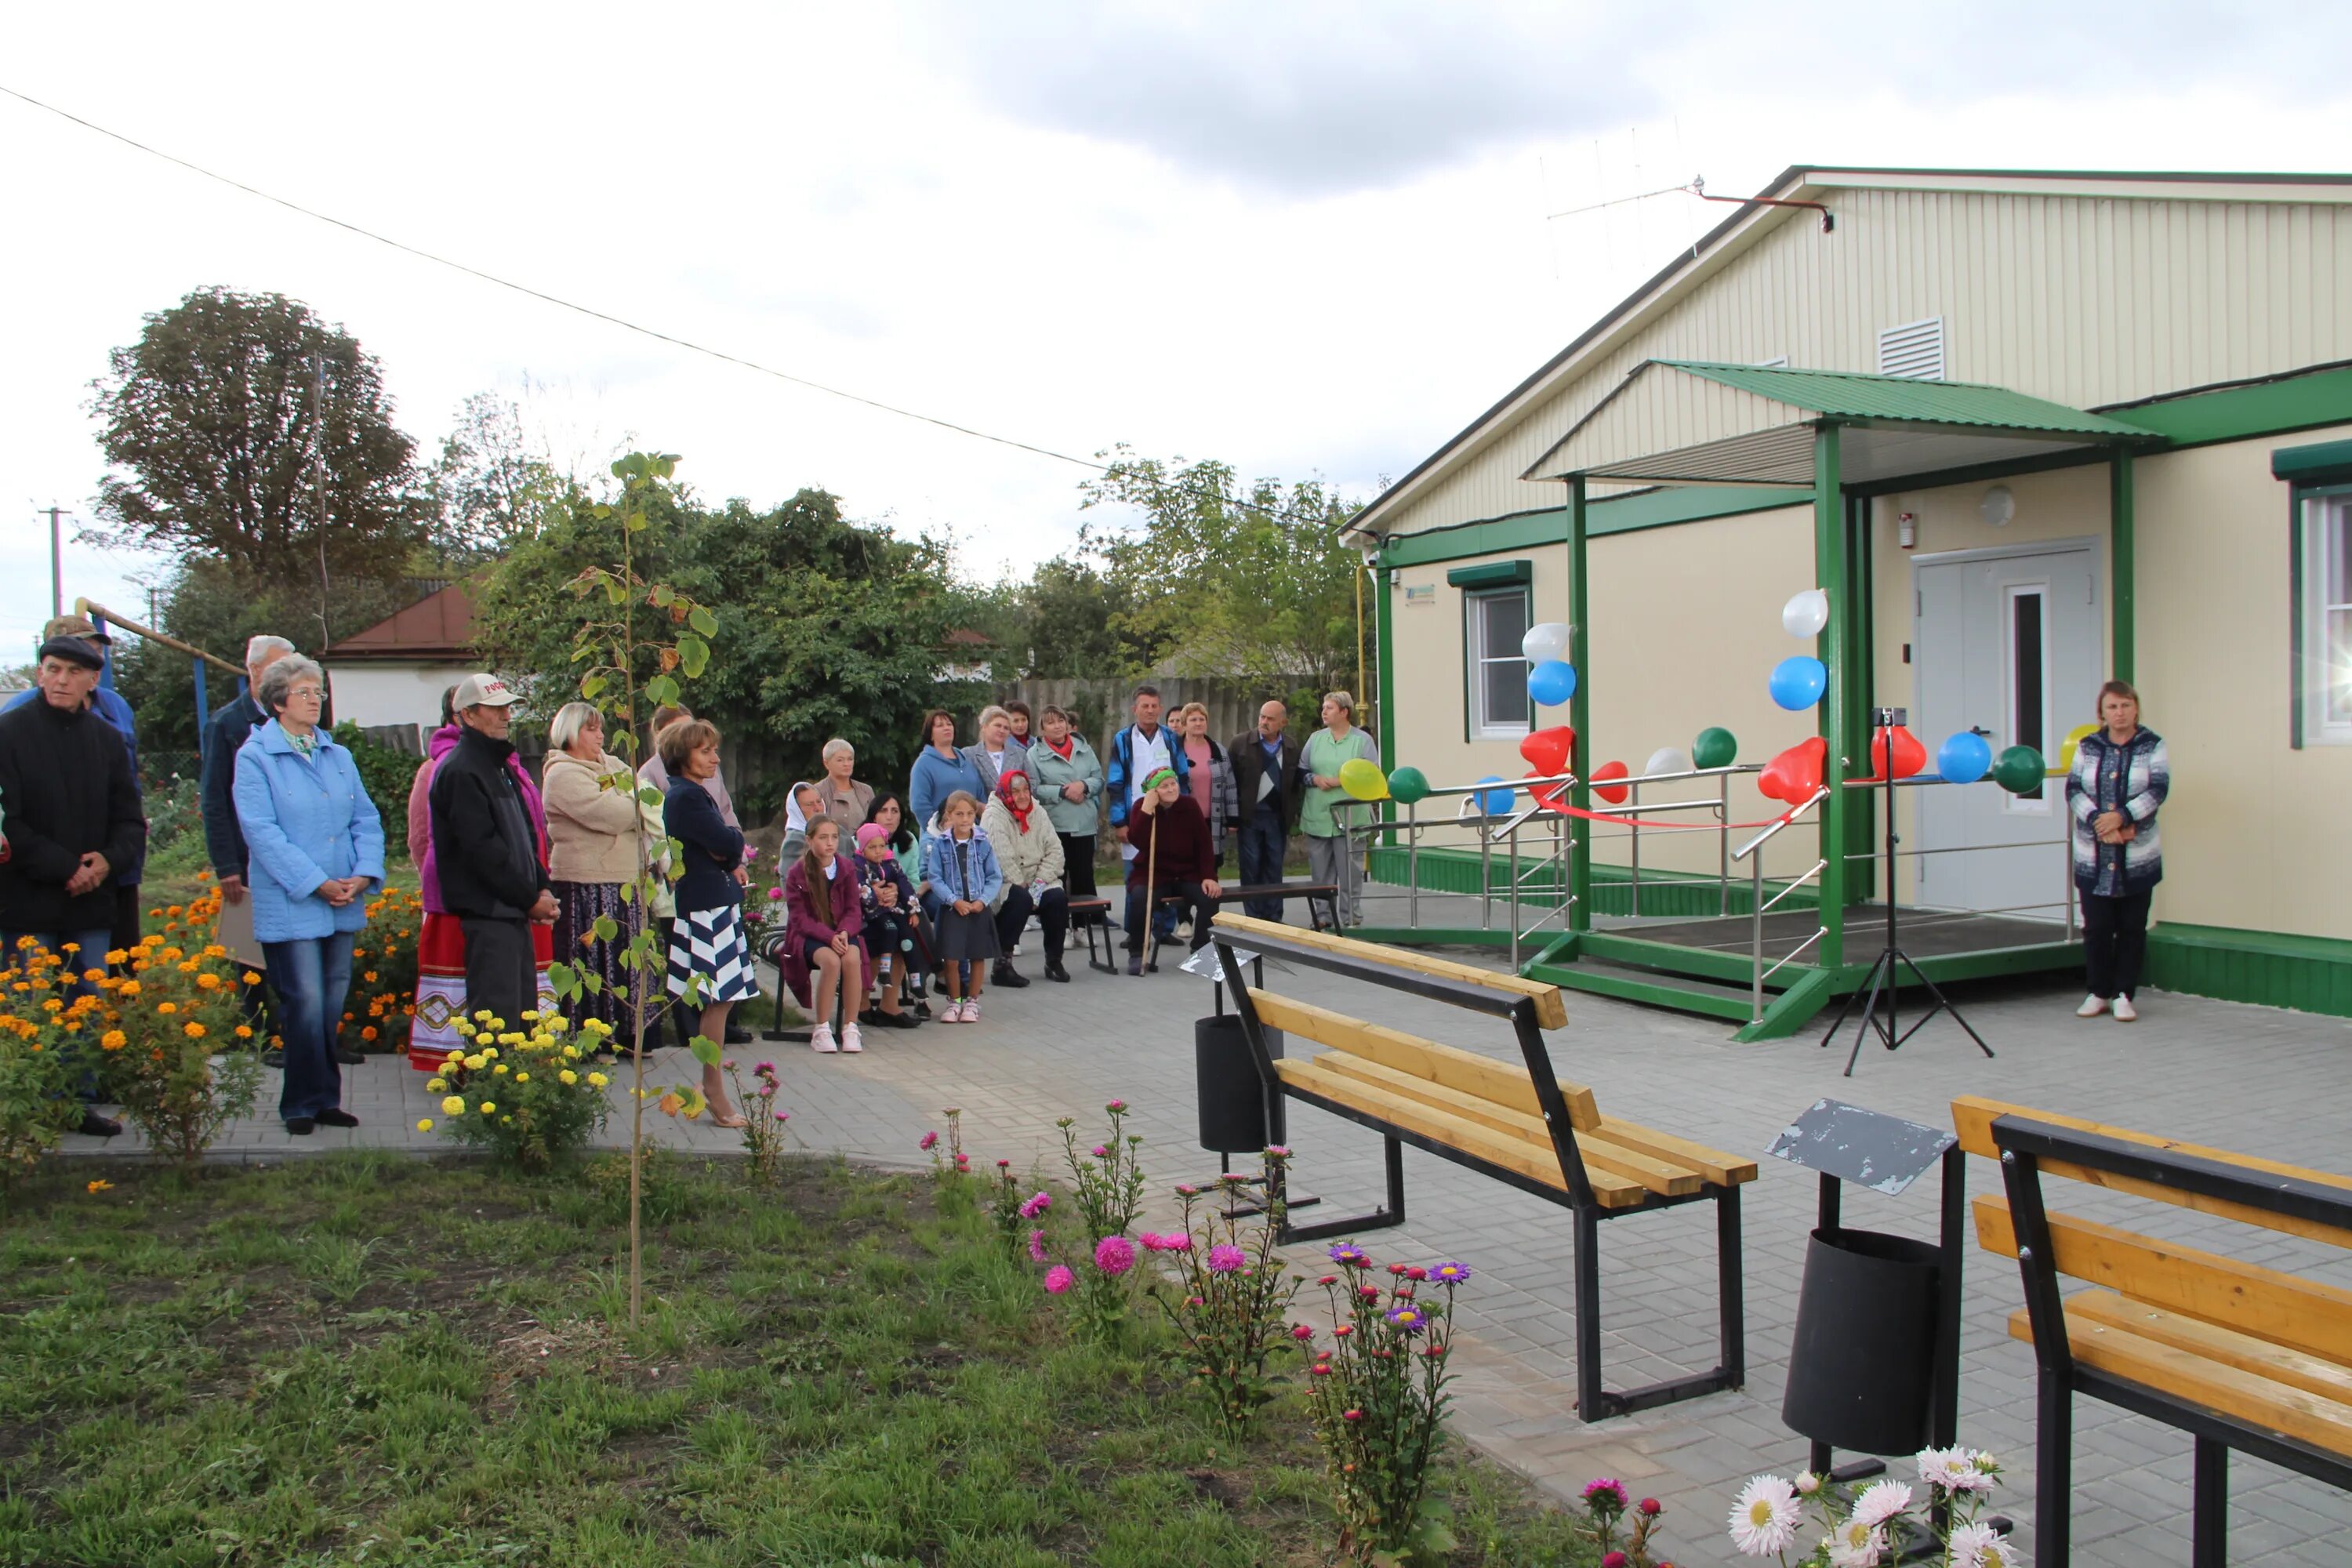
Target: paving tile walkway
{"points": [[2258, 1080]]}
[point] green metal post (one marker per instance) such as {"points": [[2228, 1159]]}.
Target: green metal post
{"points": [[1384, 678], [1831, 572], [2120, 549], [1579, 711]]}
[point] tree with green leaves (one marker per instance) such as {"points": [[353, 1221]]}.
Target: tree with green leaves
{"points": [[242, 428], [1254, 584], [490, 485]]}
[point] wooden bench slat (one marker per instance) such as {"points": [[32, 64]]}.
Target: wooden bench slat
{"points": [[2245, 1351], [1503, 1083], [1552, 1010], [1522, 1156], [1666, 1178], [2278, 1308], [1724, 1170], [1973, 1116], [2188, 1375]]}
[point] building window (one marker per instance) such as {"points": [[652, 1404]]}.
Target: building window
{"points": [[1496, 623], [2327, 617], [2029, 685]]}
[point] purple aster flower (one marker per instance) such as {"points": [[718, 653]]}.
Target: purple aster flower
{"points": [[1451, 1273], [1037, 1205], [1350, 1255], [1114, 1255], [1406, 1318], [1225, 1259]]}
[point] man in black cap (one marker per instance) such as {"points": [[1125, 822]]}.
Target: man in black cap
{"points": [[109, 705], [485, 852], [73, 820]]}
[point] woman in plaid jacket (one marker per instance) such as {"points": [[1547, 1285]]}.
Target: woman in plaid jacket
{"points": [[2118, 781]]}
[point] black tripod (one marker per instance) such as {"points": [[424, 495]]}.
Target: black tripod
{"points": [[1882, 977]]}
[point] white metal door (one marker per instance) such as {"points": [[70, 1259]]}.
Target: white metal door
{"points": [[2007, 644]]}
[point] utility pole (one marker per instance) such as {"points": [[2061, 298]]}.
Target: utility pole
{"points": [[57, 565], [319, 480]]}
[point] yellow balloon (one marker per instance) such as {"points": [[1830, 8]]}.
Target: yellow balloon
{"points": [[1360, 777], [2073, 739]]}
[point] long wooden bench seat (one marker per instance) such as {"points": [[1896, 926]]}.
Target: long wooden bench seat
{"points": [[1516, 1122], [2238, 1354]]}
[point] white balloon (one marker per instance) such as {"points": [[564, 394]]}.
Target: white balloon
{"points": [[1806, 614], [1545, 641], [1667, 760]]}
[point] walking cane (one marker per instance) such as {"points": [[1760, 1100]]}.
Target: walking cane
{"points": [[1151, 893]]}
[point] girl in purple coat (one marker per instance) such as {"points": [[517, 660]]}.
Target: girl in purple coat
{"points": [[826, 927]]}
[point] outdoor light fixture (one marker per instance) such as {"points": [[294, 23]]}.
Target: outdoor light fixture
{"points": [[1906, 530]]}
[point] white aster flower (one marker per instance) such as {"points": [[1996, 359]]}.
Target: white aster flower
{"points": [[1764, 1524], [1959, 1469], [1982, 1546], [1880, 1501], [1854, 1545], [1808, 1483]]}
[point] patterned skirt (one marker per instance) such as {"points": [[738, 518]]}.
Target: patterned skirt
{"points": [[578, 905], [708, 945], [441, 988]]}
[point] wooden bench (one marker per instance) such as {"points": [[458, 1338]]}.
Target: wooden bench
{"points": [[1517, 1123], [1322, 899], [2236, 1354]]}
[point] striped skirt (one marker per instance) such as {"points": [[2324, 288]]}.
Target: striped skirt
{"points": [[708, 945]]}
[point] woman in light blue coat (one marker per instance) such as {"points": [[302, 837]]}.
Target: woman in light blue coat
{"points": [[315, 848]]}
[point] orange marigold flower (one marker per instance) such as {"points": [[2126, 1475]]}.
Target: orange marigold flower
{"points": [[208, 982], [174, 910], [194, 1031], [368, 977], [368, 1033], [251, 978], [245, 1031], [114, 1039], [167, 1008], [98, 1186]]}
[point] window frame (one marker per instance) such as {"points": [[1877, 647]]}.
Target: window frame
{"points": [[1476, 721], [2012, 688], [2320, 511]]}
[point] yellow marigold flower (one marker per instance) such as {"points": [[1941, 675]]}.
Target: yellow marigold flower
{"points": [[482, 1016], [598, 1079], [101, 1186], [113, 1039], [455, 1105], [487, 1107], [530, 1015], [477, 1063], [424, 1124], [567, 1077], [499, 1068], [490, 1053], [455, 1057], [436, 1085], [194, 1031], [521, 1076], [571, 1053]]}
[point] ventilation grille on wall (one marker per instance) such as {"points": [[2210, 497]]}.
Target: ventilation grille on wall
{"points": [[1914, 351]]}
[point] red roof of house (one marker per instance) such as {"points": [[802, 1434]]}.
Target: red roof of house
{"points": [[439, 627]]}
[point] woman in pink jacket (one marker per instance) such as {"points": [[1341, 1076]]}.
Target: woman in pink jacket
{"points": [[826, 927]]}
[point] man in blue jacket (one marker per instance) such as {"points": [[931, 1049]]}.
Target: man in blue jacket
{"points": [[1137, 752], [225, 732]]}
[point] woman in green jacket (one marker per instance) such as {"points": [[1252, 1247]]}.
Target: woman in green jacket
{"points": [[1329, 853], [1068, 781]]}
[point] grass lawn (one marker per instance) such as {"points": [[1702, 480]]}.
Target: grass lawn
{"points": [[371, 1359]]}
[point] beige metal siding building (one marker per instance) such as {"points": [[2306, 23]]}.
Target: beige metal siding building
{"points": [[2152, 371]]}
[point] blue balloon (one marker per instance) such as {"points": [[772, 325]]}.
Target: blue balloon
{"points": [[1495, 801], [1551, 683], [1797, 683], [1963, 758]]}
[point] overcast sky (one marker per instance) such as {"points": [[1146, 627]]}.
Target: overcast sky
{"points": [[1305, 238]]}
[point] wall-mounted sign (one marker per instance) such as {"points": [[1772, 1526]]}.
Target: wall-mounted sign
{"points": [[1423, 594]]}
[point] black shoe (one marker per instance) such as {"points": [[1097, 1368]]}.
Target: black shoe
{"points": [[348, 1057], [301, 1126], [1001, 972], [897, 1021], [737, 1034], [337, 1117], [1135, 964], [93, 1125], [274, 1059], [1055, 972]]}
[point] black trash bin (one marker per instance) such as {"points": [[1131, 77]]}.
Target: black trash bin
{"points": [[1232, 1096], [1861, 1373]]}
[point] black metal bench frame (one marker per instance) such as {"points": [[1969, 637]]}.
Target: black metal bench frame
{"points": [[1593, 1402], [1312, 892], [2024, 1144]]}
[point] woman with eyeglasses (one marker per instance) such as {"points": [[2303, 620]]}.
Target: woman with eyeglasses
{"points": [[315, 851]]}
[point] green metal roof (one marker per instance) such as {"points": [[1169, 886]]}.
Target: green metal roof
{"points": [[1843, 395]]}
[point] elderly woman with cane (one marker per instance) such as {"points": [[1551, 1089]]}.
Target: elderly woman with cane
{"points": [[1171, 849]]}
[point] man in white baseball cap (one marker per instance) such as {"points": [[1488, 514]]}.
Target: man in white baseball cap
{"points": [[487, 851]]}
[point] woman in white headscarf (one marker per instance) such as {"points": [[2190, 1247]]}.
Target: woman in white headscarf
{"points": [[801, 807]]}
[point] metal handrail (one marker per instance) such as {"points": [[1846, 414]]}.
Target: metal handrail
{"points": [[1788, 818]]}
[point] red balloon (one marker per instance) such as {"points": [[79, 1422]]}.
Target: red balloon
{"points": [[1795, 774], [1910, 756], [1547, 750], [1611, 771]]}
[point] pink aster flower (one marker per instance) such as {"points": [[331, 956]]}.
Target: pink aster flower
{"points": [[775, 895], [1179, 1240], [1114, 1255], [1037, 1205], [783, 1116], [1116, 1107], [1100, 1152], [1606, 1494], [1301, 1331], [1058, 1279], [1037, 1245], [1277, 1151], [1225, 1259], [928, 1142]]}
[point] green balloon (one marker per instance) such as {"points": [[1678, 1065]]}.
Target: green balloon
{"points": [[1716, 747], [2019, 770], [1408, 785]]}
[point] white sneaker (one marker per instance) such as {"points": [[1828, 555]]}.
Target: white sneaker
{"points": [[971, 1012], [821, 1040], [2092, 1007], [851, 1041], [2125, 1012]]}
